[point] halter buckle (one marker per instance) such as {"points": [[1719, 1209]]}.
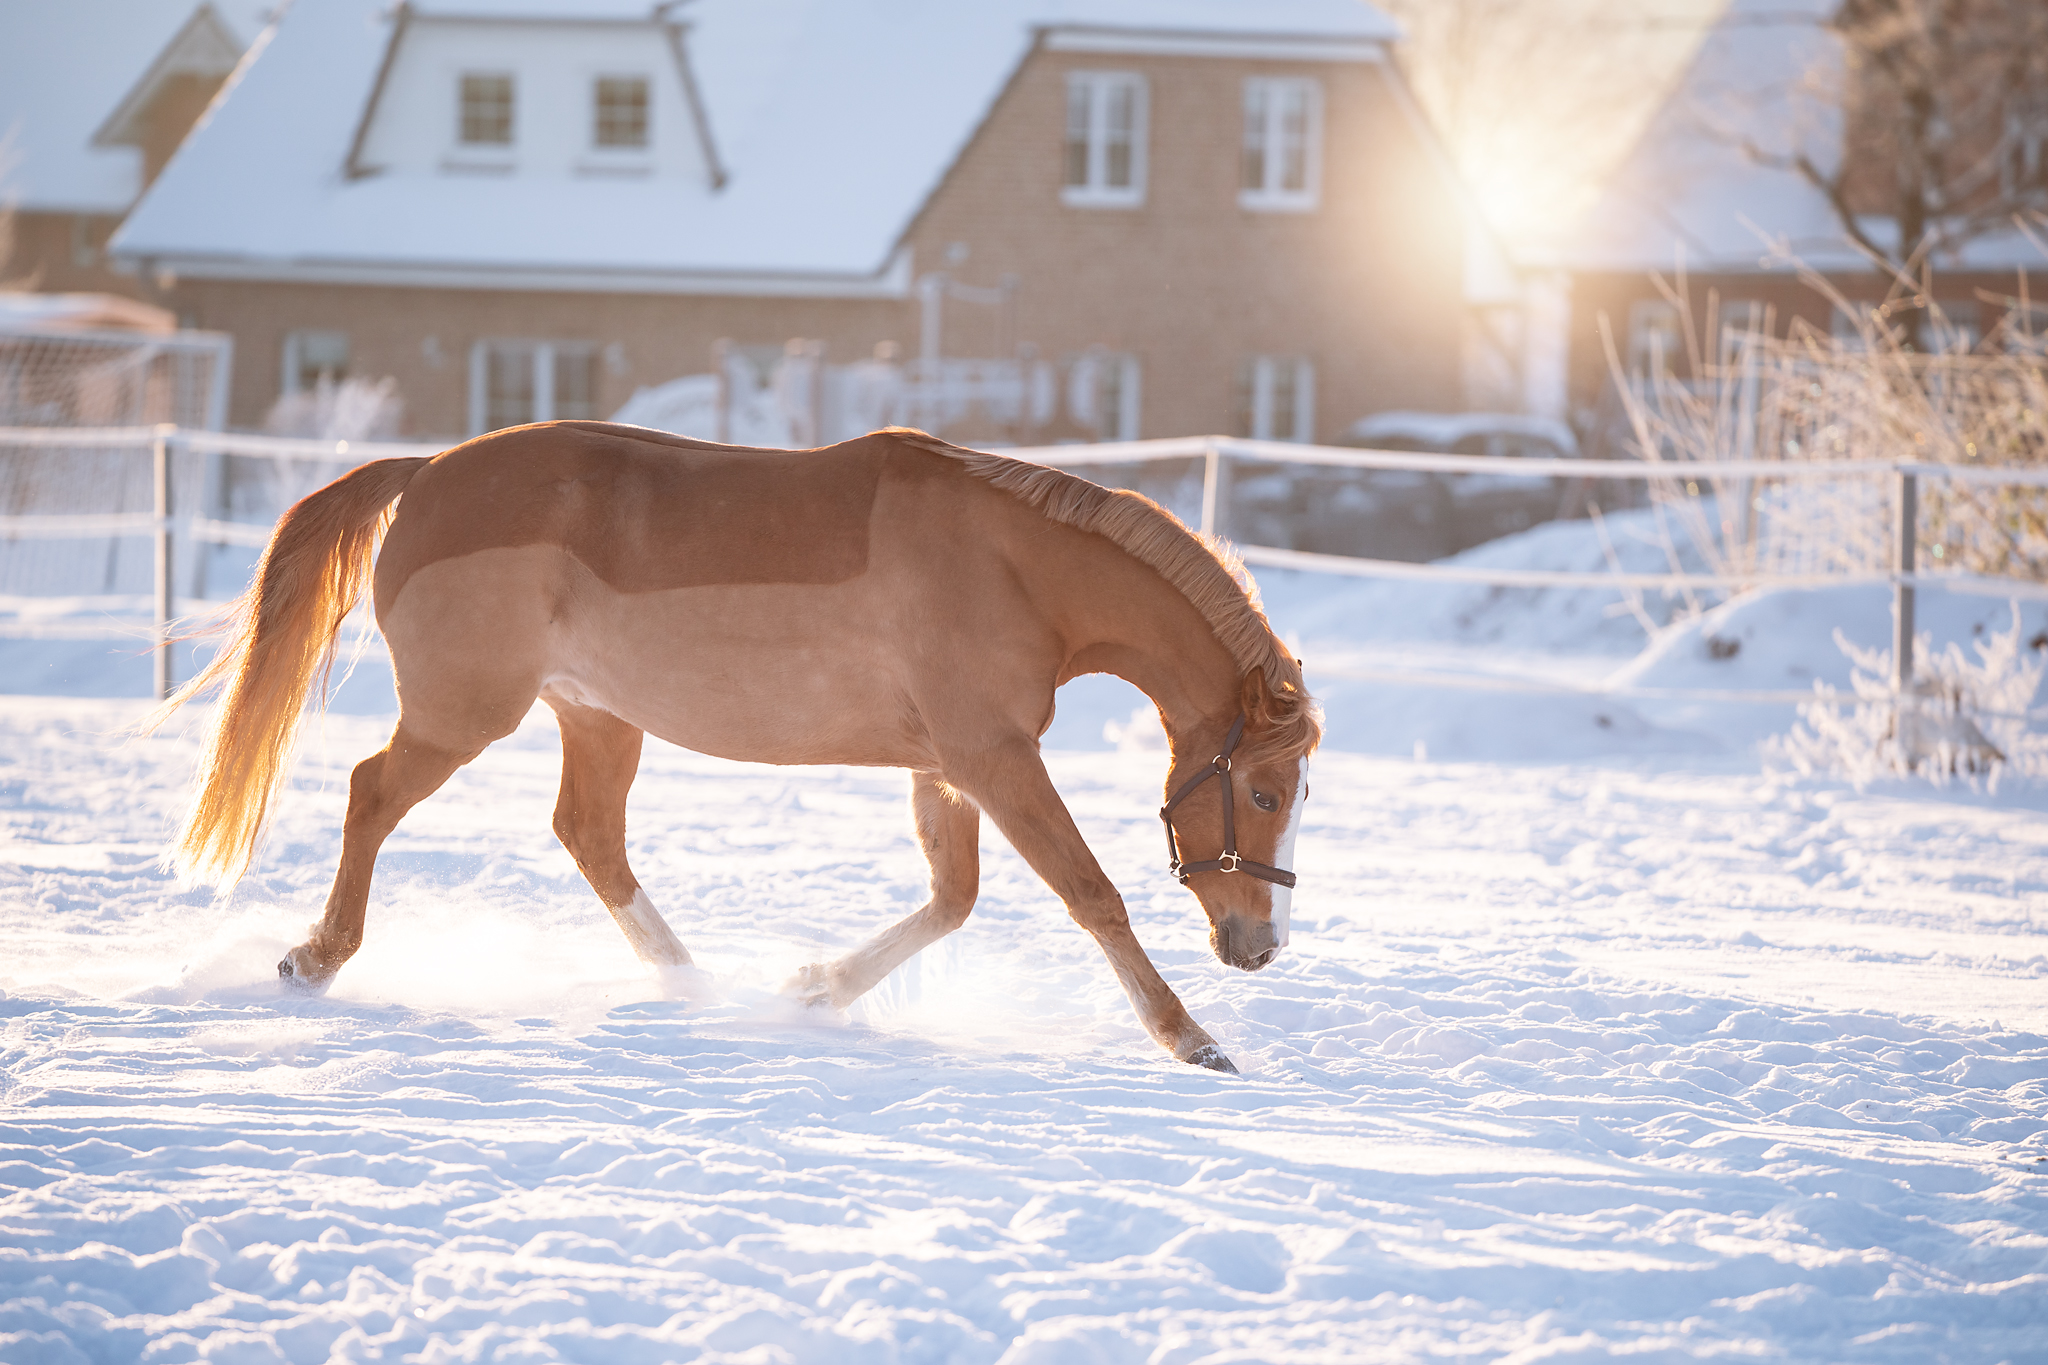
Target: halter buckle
{"points": [[1229, 862]]}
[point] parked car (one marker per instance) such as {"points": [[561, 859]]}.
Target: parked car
{"points": [[1410, 514]]}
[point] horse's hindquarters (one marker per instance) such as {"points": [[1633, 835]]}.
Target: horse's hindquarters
{"points": [[777, 673]]}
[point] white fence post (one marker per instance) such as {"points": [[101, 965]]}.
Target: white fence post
{"points": [[161, 449], [1212, 486], [1902, 590]]}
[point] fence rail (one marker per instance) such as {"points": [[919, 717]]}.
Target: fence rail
{"points": [[1214, 453]]}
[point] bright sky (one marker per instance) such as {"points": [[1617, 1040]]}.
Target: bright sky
{"points": [[1539, 99]]}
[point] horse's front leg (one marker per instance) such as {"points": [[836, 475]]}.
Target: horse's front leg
{"points": [[1011, 784], [949, 827]]}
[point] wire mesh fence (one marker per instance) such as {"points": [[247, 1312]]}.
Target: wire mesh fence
{"points": [[69, 378]]}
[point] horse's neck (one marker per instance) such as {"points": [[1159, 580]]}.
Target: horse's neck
{"points": [[1151, 636]]}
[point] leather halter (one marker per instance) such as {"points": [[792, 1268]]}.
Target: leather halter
{"points": [[1231, 861]]}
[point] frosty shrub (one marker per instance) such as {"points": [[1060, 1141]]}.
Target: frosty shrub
{"points": [[1738, 392], [1966, 719], [356, 409]]}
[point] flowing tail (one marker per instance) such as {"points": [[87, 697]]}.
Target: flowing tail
{"points": [[313, 573]]}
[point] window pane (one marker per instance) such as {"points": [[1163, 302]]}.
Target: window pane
{"points": [[1122, 125], [318, 354], [487, 109], [1077, 132], [508, 392], [1109, 402], [575, 385], [1282, 402], [621, 111], [1255, 118], [1293, 103]]}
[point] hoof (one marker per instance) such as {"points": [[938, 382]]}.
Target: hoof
{"points": [[812, 985], [1211, 1056], [293, 973]]}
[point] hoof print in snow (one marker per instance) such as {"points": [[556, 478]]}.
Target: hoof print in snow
{"points": [[1211, 1056]]}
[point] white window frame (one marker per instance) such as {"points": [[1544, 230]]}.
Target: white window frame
{"points": [[540, 356], [595, 158], [646, 144], [479, 158], [1266, 372], [1271, 195], [511, 79], [1097, 192], [1742, 322], [1656, 343], [1094, 374], [294, 356]]}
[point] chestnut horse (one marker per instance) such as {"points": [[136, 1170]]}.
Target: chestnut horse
{"points": [[892, 601]]}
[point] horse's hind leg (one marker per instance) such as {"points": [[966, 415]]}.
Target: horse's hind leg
{"points": [[381, 790], [949, 827], [600, 755]]}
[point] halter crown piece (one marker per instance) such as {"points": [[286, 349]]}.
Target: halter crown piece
{"points": [[1219, 766]]}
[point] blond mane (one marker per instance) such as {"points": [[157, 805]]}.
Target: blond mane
{"points": [[1282, 720]]}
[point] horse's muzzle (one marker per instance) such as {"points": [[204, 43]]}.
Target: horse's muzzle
{"points": [[1246, 944]]}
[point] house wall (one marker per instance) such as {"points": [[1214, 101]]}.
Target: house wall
{"points": [[424, 337], [64, 253], [1368, 285], [1963, 295]]}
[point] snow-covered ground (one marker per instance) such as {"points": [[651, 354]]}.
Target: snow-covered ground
{"points": [[1604, 1044]]}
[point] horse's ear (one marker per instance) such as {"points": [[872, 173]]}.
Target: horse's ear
{"points": [[1255, 697]]}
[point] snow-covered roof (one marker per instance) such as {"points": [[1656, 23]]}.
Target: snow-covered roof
{"points": [[21, 311], [833, 121], [1767, 78], [65, 69]]}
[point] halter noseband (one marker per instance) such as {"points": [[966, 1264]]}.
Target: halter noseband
{"points": [[1219, 766]]}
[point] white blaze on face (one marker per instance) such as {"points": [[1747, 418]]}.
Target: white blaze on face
{"points": [[1283, 857]]}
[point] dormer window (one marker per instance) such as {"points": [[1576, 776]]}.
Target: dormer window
{"points": [[535, 98], [486, 109], [621, 113]]}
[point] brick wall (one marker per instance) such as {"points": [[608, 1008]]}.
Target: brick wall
{"points": [[1368, 285], [1981, 295], [64, 253], [424, 336]]}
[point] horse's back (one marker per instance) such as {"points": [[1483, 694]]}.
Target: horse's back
{"points": [[769, 604], [642, 511]]}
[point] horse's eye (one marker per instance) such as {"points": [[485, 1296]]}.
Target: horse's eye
{"points": [[1264, 802]]}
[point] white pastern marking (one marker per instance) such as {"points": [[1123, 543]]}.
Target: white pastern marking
{"points": [[1283, 857], [655, 942]]}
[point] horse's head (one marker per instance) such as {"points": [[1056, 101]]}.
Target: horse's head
{"points": [[1234, 799]]}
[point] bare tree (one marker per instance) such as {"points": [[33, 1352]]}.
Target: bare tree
{"points": [[1943, 110]]}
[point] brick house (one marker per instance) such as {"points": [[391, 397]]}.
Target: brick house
{"points": [[1692, 197], [1234, 214], [95, 96]]}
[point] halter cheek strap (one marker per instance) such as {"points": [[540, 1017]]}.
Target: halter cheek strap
{"points": [[1231, 861]]}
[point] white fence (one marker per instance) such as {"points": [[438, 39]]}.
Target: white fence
{"points": [[164, 527]]}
